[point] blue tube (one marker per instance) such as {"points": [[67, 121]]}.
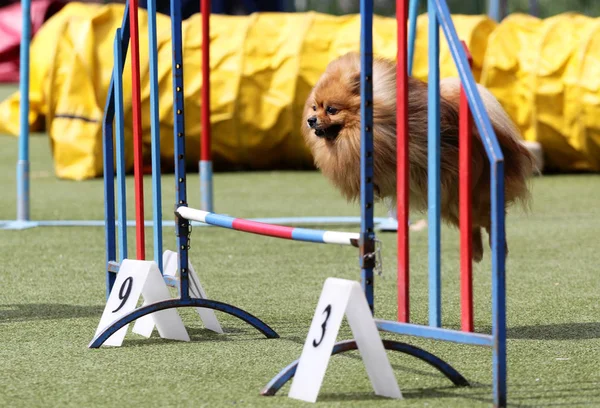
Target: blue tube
{"points": [[23, 162]]}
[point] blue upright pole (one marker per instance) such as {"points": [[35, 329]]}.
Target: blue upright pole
{"points": [[433, 147], [367, 234], [413, 10], [182, 225], [534, 8], [108, 161], [23, 162], [498, 285], [494, 10], [120, 144], [155, 135]]}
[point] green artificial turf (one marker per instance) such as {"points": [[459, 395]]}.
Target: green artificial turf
{"points": [[52, 297]]}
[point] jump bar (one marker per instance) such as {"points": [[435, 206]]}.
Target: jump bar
{"points": [[271, 230]]}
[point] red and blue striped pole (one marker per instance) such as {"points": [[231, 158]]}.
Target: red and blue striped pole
{"points": [[270, 230]]}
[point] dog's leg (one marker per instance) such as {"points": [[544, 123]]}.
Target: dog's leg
{"points": [[477, 244], [489, 231]]}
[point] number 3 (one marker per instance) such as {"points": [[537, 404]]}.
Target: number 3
{"points": [[323, 326], [124, 292]]}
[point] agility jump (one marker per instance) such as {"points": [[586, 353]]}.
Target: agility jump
{"points": [[439, 16]]}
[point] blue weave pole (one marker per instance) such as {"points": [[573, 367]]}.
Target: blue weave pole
{"points": [[108, 161], [494, 153], [155, 135], [495, 10], [413, 11], [206, 185], [23, 162], [182, 227], [433, 172], [367, 231], [120, 144]]}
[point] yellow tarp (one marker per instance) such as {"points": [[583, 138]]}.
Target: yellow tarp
{"points": [[263, 67], [546, 74]]}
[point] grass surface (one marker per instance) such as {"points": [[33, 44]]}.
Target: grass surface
{"points": [[52, 297]]}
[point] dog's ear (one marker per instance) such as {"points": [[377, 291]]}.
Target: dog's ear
{"points": [[355, 83]]}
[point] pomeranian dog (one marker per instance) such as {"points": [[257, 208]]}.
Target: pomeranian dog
{"points": [[331, 129]]}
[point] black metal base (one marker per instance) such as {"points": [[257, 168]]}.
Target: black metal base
{"points": [[174, 303], [288, 372]]}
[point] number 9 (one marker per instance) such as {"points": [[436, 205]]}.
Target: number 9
{"points": [[124, 292]]}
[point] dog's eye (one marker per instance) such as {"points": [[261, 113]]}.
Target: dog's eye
{"points": [[331, 110], [314, 107]]}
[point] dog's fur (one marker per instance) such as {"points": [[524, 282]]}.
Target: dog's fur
{"points": [[334, 139]]}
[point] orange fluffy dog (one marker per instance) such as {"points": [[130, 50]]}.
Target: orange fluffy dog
{"points": [[331, 128]]}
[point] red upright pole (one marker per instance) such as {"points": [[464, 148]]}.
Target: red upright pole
{"points": [[137, 130], [402, 160], [466, 243], [205, 150]]}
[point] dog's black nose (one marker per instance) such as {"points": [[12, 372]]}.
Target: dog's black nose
{"points": [[312, 121]]}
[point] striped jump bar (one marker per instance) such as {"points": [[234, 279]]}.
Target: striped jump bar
{"points": [[271, 230]]}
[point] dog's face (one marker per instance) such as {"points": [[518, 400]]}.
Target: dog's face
{"points": [[331, 125], [333, 108], [330, 110]]}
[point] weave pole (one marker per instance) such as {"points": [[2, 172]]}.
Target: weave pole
{"points": [[434, 169], [464, 200], [412, 31], [108, 161], [402, 170], [155, 135], [367, 230], [120, 144], [23, 214], [137, 131], [205, 163], [182, 225]]}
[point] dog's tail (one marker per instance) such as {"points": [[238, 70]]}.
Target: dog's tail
{"points": [[519, 163]]}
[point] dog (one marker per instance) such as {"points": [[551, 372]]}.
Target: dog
{"points": [[331, 129]]}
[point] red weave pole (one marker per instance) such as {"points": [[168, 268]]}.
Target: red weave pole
{"points": [[466, 242], [205, 148], [137, 131], [402, 160]]}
